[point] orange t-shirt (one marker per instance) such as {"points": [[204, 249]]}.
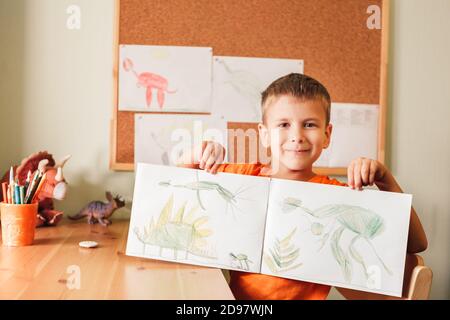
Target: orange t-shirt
{"points": [[255, 286]]}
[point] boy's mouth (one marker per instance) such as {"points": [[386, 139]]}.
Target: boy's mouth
{"points": [[297, 151]]}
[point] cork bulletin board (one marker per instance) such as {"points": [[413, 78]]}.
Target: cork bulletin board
{"points": [[330, 36]]}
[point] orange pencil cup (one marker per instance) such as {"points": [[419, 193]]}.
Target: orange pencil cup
{"points": [[18, 223]]}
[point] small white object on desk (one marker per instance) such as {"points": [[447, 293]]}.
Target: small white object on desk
{"points": [[88, 244]]}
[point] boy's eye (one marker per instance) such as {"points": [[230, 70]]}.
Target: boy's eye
{"points": [[283, 125], [310, 125]]}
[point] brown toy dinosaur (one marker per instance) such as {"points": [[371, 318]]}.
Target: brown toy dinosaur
{"points": [[98, 211], [55, 186]]}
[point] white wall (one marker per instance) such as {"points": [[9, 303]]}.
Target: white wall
{"points": [[419, 122], [55, 95]]}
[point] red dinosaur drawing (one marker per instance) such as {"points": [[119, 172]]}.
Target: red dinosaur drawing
{"points": [[150, 81]]}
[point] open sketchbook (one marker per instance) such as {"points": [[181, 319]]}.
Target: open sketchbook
{"points": [[305, 231]]}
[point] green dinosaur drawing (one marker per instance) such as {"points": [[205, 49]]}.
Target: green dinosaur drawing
{"points": [[247, 85], [178, 233], [363, 223], [241, 261], [201, 185]]}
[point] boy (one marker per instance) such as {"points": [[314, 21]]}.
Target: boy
{"points": [[296, 128]]}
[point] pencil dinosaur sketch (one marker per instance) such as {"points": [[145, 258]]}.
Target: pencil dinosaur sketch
{"points": [[178, 233], [149, 81], [365, 224], [283, 255], [240, 261], [247, 84], [202, 185], [165, 155]]}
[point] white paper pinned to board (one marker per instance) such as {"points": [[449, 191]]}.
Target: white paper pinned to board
{"points": [[354, 134]]}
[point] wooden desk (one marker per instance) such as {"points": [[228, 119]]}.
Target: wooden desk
{"points": [[48, 269]]}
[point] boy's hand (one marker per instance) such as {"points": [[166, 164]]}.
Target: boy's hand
{"points": [[211, 156], [363, 172]]}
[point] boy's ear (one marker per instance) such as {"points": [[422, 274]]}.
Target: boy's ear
{"points": [[264, 135], [328, 131]]}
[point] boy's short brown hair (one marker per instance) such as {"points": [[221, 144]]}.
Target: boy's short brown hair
{"points": [[299, 86]]}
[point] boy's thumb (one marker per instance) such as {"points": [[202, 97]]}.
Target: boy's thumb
{"points": [[197, 152]]}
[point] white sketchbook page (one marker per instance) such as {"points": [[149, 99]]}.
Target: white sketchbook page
{"points": [[179, 78], [288, 210], [228, 236], [355, 134], [161, 138], [238, 83]]}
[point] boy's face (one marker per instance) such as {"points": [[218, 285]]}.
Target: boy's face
{"points": [[295, 131]]}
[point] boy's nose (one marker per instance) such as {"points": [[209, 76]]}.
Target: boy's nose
{"points": [[297, 136], [297, 139]]}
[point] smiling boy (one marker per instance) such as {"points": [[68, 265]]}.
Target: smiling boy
{"points": [[296, 127]]}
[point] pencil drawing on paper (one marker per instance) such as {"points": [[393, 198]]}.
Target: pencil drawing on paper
{"points": [[150, 81], [363, 223], [165, 155], [240, 261], [247, 85], [178, 233], [202, 185], [283, 255]]}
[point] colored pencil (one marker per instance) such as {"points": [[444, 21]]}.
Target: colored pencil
{"points": [[34, 188], [8, 194], [16, 194], [22, 197], [4, 193], [11, 176], [39, 187], [11, 192], [11, 184], [27, 182], [31, 186]]}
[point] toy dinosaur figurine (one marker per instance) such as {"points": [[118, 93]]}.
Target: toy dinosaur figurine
{"points": [[98, 211], [55, 185]]}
